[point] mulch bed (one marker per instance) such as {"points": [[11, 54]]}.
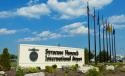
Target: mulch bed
{"points": [[11, 72]]}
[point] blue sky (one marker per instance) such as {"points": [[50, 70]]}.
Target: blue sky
{"points": [[52, 22]]}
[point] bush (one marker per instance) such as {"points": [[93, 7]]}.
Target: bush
{"points": [[92, 72], [20, 72], [54, 66], [77, 65], [49, 69], [102, 68], [32, 70], [74, 67]]}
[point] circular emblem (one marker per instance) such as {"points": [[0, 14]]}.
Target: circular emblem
{"points": [[33, 56]]}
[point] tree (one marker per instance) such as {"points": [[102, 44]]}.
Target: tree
{"points": [[103, 55], [12, 56], [5, 59], [87, 56]]}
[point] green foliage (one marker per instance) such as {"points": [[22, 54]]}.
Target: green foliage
{"points": [[5, 60], [31, 70], [92, 72], [13, 64], [20, 72], [103, 54], [87, 56], [54, 66], [74, 67], [12, 56], [49, 69], [101, 67]]}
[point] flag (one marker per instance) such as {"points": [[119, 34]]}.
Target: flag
{"points": [[109, 28], [113, 31]]}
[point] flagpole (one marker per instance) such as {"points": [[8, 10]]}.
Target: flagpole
{"points": [[103, 38], [88, 31], [107, 40], [112, 45], [99, 39], [95, 37]]}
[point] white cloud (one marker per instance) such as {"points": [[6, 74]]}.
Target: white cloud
{"points": [[34, 11], [29, 39], [98, 3], [117, 19], [40, 36], [67, 9], [67, 31], [5, 14], [64, 10], [75, 8], [75, 28], [48, 34], [31, 2], [4, 31]]}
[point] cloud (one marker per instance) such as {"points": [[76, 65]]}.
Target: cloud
{"points": [[75, 28], [48, 34], [64, 10], [31, 2], [5, 14], [98, 3], [70, 30], [23, 30], [29, 39], [75, 8], [35, 11], [41, 36], [69, 9], [118, 21], [4, 31]]}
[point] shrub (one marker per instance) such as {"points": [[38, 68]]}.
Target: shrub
{"points": [[54, 66], [77, 65], [32, 70], [102, 68], [92, 72], [49, 69], [74, 67], [19, 72]]}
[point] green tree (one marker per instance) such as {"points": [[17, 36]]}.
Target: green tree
{"points": [[87, 55], [104, 56], [12, 56], [5, 59]]}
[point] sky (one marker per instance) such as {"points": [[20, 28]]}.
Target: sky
{"points": [[53, 22]]}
